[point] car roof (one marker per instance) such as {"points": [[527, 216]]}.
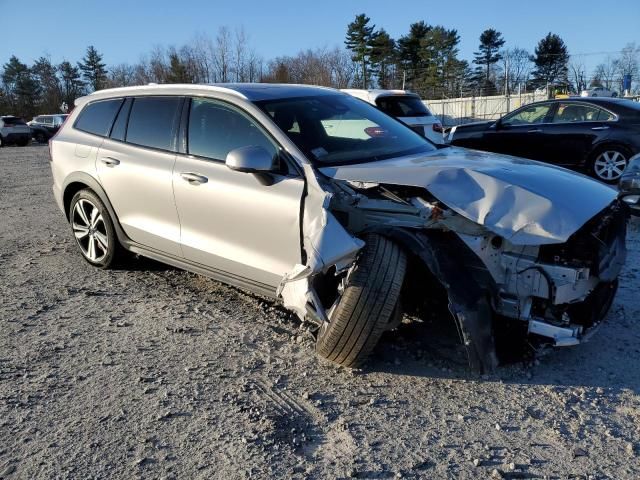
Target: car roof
{"points": [[246, 91], [374, 93], [595, 100]]}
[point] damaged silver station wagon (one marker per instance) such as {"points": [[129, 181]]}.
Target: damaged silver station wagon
{"points": [[346, 215]]}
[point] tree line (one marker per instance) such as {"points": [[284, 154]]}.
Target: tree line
{"points": [[426, 60]]}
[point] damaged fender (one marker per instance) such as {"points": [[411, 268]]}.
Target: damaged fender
{"points": [[326, 244]]}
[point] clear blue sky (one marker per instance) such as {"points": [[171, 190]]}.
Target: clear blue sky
{"points": [[124, 30]]}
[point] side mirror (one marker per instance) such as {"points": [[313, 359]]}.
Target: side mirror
{"points": [[497, 124], [252, 159], [629, 185]]}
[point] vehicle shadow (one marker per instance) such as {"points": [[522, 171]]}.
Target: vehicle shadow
{"points": [[432, 348]]}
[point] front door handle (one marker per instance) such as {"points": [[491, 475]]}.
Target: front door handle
{"points": [[194, 178], [600, 128], [535, 130], [110, 161]]}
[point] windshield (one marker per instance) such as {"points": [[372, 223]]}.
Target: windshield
{"points": [[340, 129], [403, 106]]}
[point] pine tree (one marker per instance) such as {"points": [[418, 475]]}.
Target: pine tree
{"points": [[358, 40], [177, 70], [383, 58], [409, 51], [487, 55], [20, 88], [46, 76], [551, 60], [439, 54], [72, 84], [93, 70]]}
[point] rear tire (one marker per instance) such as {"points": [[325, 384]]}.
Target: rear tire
{"points": [[40, 137], [608, 163], [366, 308], [93, 230]]}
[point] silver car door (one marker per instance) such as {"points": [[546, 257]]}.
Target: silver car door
{"points": [[230, 220]]}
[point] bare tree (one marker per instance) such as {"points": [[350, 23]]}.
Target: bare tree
{"points": [[239, 59], [577, 74], [629, 62], [222, 55], [122, 75], [516, 68], [605, 73]]}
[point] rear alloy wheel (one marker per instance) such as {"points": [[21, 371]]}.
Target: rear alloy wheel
{"points": [[93, 229], [609, 164], [367, 304]]}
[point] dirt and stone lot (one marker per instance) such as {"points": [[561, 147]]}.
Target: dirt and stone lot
{"points": [[152, 372]]}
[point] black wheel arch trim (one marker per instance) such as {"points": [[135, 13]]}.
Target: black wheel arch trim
{"points": [[84, 178]]}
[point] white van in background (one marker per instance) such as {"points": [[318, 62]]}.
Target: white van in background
{"points": [[406, 107]]}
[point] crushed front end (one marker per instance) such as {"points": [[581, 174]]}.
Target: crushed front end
{"points": [[560, 290]]}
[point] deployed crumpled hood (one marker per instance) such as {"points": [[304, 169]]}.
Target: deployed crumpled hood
{"points": [[524, 201]]}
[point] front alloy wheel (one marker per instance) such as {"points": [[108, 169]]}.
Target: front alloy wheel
{"points": [[93, 229], [609, 165]]}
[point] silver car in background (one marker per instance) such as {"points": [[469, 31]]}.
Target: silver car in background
{"points": [[322, 201]]}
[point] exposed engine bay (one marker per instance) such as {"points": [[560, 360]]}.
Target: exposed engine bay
{"points": [[560, 291]]}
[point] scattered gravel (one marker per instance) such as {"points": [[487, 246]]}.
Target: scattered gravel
{"points": [[158, 373]]}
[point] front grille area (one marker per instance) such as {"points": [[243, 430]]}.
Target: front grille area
{"points": [[592, 243]]}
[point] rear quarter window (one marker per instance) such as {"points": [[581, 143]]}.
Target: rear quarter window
{"points": [[153, 122], [97, 117], [10, 121]]}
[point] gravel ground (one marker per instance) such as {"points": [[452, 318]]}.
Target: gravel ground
{"points": [[153, 372]]}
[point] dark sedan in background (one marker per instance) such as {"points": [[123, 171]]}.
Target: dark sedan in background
{"points": [[597, 136]]}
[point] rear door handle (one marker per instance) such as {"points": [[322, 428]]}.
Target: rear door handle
{"points": [[600, 128], [535, 130], [110, 161], [194, 178]]}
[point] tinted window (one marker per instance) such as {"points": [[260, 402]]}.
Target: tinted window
{"points": [[575, 112], [97, 117], [527, 115], [215, 129], [153, 122], [339, 129], [119, 129], [403, 106], [13, 121]]}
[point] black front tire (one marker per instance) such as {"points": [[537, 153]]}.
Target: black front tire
{"points": [[40, 138], [104, 256], [367, 306]]}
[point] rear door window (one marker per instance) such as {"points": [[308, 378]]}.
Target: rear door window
{"points": [[97, 117], [153, 122], [576, 112]]}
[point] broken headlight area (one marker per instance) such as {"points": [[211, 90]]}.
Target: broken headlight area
{"points": [[553, 291]]}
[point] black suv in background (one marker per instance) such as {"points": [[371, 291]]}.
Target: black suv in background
{"points": [[595, 135], [43, 127]]}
